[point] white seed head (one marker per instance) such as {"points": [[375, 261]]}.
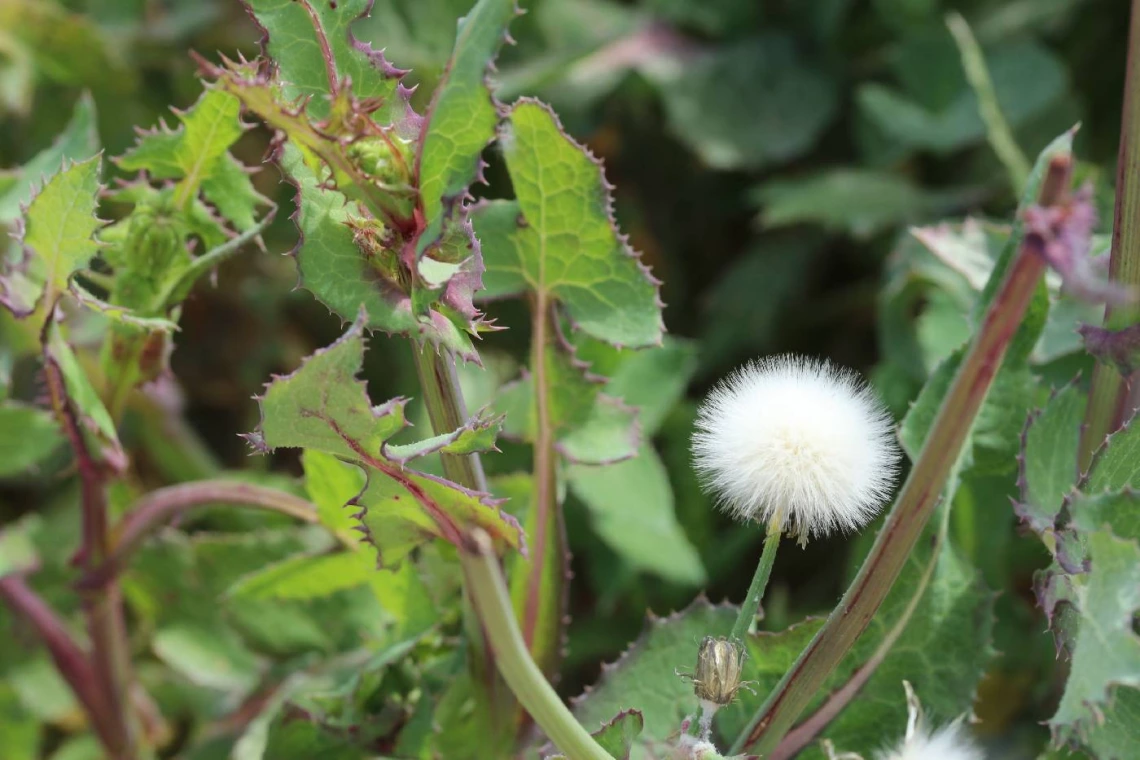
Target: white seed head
{"points": [[799, 442], [951, 742]]}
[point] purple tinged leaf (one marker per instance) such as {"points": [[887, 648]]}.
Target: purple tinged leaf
{"points": [[1120, 348], [1062, 234]]}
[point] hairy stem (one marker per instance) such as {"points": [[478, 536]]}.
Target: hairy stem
{"points": [[918, 498], [489, 591], [540, 606], [751, 604], [103, 607], [159, 507], [1110, 402], [71, 661]]}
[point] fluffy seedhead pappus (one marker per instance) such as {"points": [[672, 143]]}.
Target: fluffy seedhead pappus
{"points": [[797, 443]]}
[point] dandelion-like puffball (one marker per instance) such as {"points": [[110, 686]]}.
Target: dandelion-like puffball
{"points": [[796, 443], [948, 743]]}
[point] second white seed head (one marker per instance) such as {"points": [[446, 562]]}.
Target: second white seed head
{"points": [[798, 442]]}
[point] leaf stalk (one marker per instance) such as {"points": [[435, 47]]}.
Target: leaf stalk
{"points": [[489, 592], [1109, 402]]}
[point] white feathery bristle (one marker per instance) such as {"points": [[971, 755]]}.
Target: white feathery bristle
{"points": [[951, 742], [796, 440]]}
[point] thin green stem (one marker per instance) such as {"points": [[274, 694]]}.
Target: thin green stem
{"points": [[447, 411], [751, 604], [918, 498], [1109, 403], [489, 591], [998, 133], [539, 588], [177, 289]]}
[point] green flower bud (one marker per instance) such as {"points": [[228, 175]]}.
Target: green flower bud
{"points": [[719, 664]]}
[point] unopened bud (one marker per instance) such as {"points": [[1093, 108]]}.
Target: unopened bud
{"points": [[719, 664]]}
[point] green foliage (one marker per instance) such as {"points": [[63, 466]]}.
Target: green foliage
{"points": [[27, 436], [750, 103], [559, 241], [197, 155], [57, 238], [462, 117], [644, 678], [322, 406], [77, 142], [857, 201], [1049, 457], [769, 160], [1106, 649]]}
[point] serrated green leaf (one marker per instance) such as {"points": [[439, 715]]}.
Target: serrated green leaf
{"points": [[644, 678], [323, 406], [1116, 463], [1114, 737], [994, 439], [303, 577], [78, 141], [462, 117], [331, 485], [563, 244], [632, 510], [57, 239], [651, 379], [27, 436], [1106, 650], [1049, 457], [197, 155], [590, 427], [1116, 511], [617, 736], [298, 34]]}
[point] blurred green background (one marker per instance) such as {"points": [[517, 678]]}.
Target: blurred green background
{"points": [[768, 157]]}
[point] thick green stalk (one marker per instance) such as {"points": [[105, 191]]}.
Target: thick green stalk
{"points": [[448, 411], [489, 591], [918, 498], [751, 604], [1108, 406]]}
